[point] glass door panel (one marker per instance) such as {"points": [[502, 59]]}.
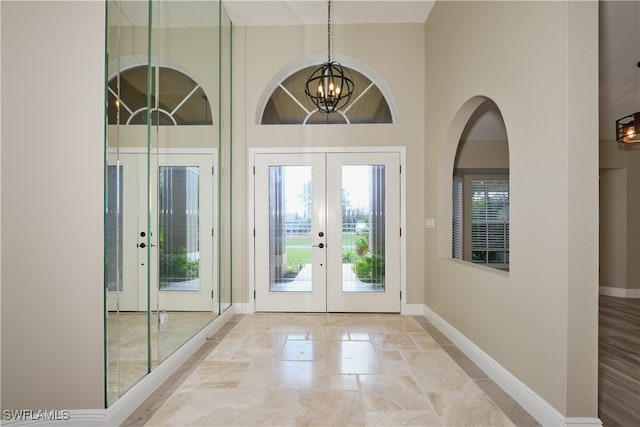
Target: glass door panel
{"points": [[178, 221], [290, 232], [184, 214], [363, 199], [290, 210], [363, 228]]}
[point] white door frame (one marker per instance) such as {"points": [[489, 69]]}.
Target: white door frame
{"points": [[252, 151]]}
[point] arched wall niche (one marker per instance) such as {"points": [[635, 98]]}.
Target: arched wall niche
{"points": [[301, 63], [475, 152]]}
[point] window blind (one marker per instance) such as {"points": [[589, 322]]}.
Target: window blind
{"points": [[456, 237], [490, 221]]}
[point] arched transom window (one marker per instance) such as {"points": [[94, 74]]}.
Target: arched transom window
{"points": [[288, 104], [176, 99]]}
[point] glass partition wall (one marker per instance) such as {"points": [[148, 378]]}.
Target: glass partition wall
{"points": [[167, 180]]}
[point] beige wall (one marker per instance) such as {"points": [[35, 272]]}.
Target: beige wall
{"points": [[539, 320], [52, 207], [377, 47], [485, 155], [615, 200]]}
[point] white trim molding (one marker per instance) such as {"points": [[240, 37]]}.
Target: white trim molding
{"points": [[614, 291], [533, 403]]}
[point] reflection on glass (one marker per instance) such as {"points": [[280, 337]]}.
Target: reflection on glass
{"points": [[114, 228], [188, 78], [290, 213], [181, 100], [363, 228], [179, 228], [126, 347]]}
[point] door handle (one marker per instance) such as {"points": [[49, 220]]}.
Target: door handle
{"points": [[144, 245], [320, 245]]}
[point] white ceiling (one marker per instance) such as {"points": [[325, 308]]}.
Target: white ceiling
{"points": [[310, 12]]}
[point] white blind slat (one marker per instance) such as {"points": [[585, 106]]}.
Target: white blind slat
{"points": [[490, 221]]}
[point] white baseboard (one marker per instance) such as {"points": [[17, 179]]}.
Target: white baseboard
{"points": [[582, 422], [413, 309], [539, 408], [244, 308], [612, 291], [117, 413]]}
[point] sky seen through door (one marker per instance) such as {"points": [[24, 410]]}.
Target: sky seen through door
{"points": [[355, 182]]}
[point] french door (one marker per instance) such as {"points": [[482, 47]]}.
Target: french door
{"points": [[161, 245], [327, 232]]}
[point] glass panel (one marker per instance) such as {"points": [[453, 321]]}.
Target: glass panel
{"points": [[290, 239], [126, 333], [363, 228], [185, 39], [179, 228], [371, 107], [114, 228], [281, 109], [183, 274], [288, 103], [181, 99], [225, 159]]}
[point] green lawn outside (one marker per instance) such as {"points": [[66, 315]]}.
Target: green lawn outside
{"points": [[299, 249]]}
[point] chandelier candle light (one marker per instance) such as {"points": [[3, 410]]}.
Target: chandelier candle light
{"points": [[329, 86]]}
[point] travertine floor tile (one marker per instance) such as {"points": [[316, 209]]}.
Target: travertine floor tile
{"points": [[330, 370]]}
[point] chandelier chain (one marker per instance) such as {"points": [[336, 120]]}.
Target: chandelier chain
{"points": [[328, 30]]}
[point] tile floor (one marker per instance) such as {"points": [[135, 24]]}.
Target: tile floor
{"points": [[329, 370], [127, 344]]}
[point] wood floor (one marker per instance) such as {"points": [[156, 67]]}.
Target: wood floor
{"points": [[619, 362]]}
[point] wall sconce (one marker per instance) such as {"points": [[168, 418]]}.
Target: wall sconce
{"points": [[628, 129]]}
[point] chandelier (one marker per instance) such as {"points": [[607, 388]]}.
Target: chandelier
{"points": [[329, 86], [628, 129]]}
